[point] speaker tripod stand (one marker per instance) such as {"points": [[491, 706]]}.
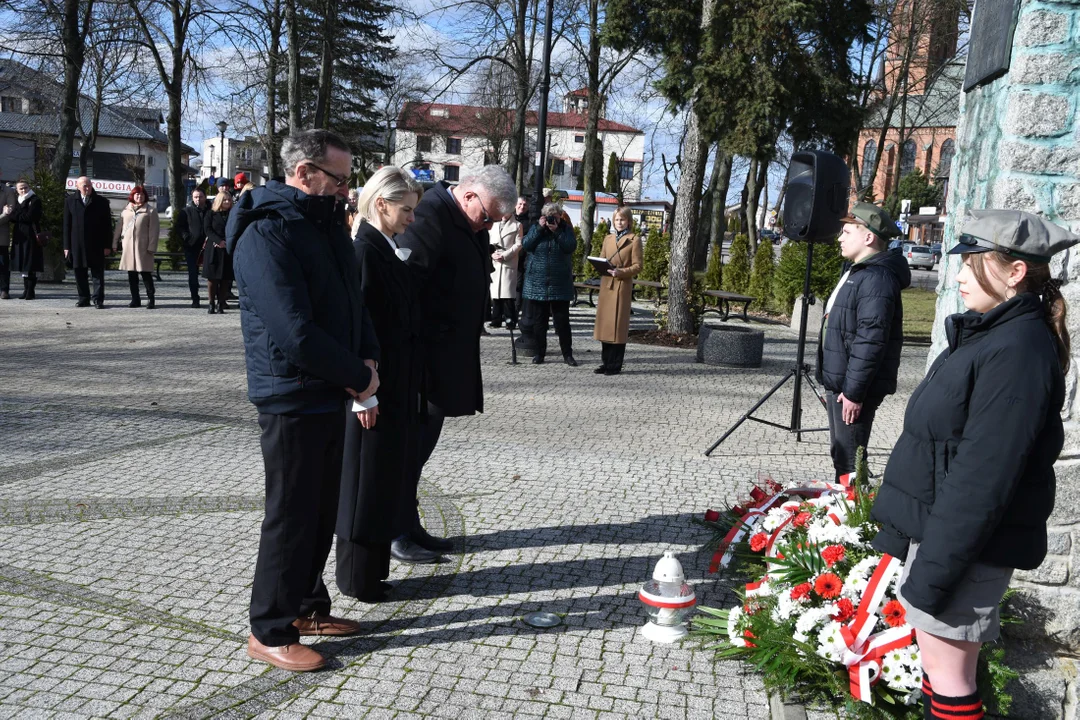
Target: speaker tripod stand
{"points": [[800, 372]]}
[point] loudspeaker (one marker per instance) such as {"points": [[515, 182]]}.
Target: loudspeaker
{"points": [[817, 196]]}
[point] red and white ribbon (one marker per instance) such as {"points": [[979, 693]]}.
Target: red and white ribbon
{"points": [[864, 651]]}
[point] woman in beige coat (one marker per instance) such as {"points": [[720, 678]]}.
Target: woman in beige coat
{"points": [[622, 249], [138, 232], [506, 238]]}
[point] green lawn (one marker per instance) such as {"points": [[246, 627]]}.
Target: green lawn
{"points": [[919, 306]]}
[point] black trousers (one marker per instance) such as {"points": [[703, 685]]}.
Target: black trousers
{"points": [[361, 566], [429, 438], [560, 314], [147, 281], [5, 269], [504, 309], [844, 439], [82, 282], [191, 260], [611, 355], [302, 457]]}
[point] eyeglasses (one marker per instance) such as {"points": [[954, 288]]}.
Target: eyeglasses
{"points": [[339, 180], [487, 218]]}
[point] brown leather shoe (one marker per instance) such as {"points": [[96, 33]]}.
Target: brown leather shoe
{"points": [[294, 657], [315, 624]]}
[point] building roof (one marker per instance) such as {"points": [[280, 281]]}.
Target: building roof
{"points": [[938, 107], [476, 120], [40, 88], [580, 92]]}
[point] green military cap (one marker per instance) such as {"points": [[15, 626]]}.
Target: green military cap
{"points": [[1018, 234], [873, 217]]}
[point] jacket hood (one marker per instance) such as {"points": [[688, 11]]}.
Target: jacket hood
{"points": [[894, 263], [277, 198]]}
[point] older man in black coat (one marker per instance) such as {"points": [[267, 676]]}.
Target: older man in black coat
{"points": [[452, 261], [87, 240]]}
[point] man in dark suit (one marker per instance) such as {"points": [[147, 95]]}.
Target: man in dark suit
{"points": [[87, 240], [189, 223], [451, 258]]}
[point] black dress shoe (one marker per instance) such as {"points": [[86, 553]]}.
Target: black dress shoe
{"points": [[426, 540], [374, 596], [538, 360], [100, 305], [569, 360], [613, 371], [407, 551], [601, 370], [83, 303], [196, 304]]}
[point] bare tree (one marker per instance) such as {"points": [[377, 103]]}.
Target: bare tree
{"points": [[173, 33]]}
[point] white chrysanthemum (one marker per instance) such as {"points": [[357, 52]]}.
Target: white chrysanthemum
{"points": [[786, 607], [810, 619], [772, 520], [824, 531], [735, 635], [830, 635], [912, 658]]}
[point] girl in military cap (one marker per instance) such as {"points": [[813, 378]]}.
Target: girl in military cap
{"points": [[969, 486]]}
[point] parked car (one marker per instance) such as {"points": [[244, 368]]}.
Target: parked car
{"points": [[771, 235], [918, 256], [935, 250]]}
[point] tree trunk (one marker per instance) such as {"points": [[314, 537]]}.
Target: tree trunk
{"points": [[684, 229], [588, 169], [294, 67], [326, 66], [272, 160], [718, 226], [514, 159], [749, 213], [73, 64], [172, 130]]}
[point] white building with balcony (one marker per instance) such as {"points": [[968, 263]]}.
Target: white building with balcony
{"points": [[246, 155], [453, 141]]}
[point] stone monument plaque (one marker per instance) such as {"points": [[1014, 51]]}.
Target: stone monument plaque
{"points": [[990, 48]]}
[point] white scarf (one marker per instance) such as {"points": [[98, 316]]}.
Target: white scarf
{"points": [[29, 194]]}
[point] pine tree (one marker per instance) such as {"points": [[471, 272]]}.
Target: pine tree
{"points": [[655, 256], [737, 273], [788, 280], [613, 185], [914, 187], [714, 273], [761, 279]]}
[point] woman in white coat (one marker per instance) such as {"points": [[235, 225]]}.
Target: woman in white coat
{"points": [[138, 232], [505, 237]]}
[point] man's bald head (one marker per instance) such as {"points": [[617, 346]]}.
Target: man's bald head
{"points": [[84, 186]]}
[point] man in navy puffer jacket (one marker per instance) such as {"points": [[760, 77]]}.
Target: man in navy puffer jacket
{"points": [[862, 332], [309, 345]]}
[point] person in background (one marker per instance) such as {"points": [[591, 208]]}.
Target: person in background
{"points": [[970, 484], [217, 265], [378, 501], [191, 224], [138, 232], [449, 244], [521, 214], [352, 217], [8, 199], [862, 332], [27, 256], [308, 346], [549, 281], [87, 230], [505, 236], [622, 249]]}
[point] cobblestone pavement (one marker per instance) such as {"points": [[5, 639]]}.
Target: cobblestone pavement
{"points": [[130, 503]]}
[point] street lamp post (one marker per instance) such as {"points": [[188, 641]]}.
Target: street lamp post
{"points": [[541, 123], [222, 126]]}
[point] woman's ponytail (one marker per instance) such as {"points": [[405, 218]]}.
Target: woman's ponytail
{"points": [[1054, 304]]}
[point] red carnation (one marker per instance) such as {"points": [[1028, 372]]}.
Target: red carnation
{"points": [[833, 554], [748, 635], [893, 613], [711, 516], [845, 610], [850, 492], [801, 519], [800, 591], [758, 542], [828, 585]]}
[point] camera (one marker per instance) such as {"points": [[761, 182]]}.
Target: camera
{"points": [[552, 219]]}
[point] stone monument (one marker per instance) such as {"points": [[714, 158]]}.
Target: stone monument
{"points": [[1018, 146]]}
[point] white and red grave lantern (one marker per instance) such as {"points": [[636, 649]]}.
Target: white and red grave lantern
{"points": [[668, 600]]}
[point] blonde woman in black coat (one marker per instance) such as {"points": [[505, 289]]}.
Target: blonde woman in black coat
{"points": [[27, 257], [217, 265], [377, 502], [970, 483]]}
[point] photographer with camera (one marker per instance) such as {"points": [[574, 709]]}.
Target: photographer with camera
{"points": [[549, 280]]}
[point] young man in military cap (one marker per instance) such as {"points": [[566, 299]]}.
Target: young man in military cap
{"points": [[862, 331]]}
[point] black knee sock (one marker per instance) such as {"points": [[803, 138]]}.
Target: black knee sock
{"points": [[968, 707], [927, 698]]}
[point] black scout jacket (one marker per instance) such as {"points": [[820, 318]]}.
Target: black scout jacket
{"points": [[972, 476]]}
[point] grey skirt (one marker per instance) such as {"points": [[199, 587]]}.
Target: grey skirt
{"points": [[973, 613]]}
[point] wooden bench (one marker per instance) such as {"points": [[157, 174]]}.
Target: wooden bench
{"points": [[590, 286], [723, 303], [659, 287], [159, 257]]}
